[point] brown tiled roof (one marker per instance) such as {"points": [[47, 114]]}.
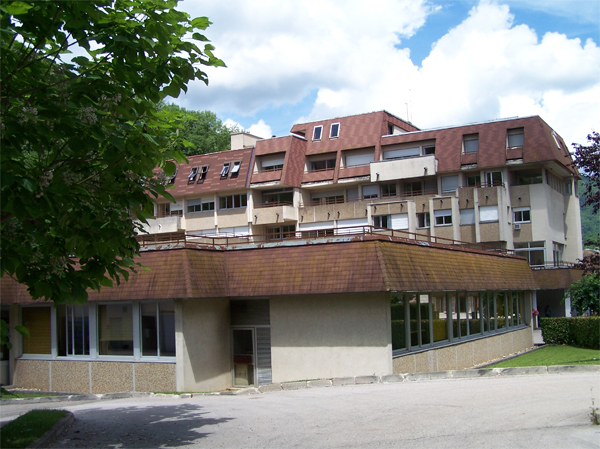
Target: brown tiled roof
{"points": [[371, 265], [556, 278]]}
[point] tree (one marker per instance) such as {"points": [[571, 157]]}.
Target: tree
{"points": [[585, 294], [587, 159], [81, 137], [204, 130]]}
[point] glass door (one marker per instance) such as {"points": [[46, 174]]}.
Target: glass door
{"points": [[243, 357]]}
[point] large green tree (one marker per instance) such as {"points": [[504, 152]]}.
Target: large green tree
{"points": [[81, 136], [204, 130]]}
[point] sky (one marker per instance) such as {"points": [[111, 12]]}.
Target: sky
{"points": [[434, 63]]}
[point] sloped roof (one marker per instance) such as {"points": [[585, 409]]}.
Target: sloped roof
{"points": [[355, 265], [557, 278]]}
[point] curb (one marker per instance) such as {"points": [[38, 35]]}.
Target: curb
{"points": [[52, 435]]}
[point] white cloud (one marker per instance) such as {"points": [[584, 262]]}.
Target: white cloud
{"points": [[261, 129], [484, 68]]}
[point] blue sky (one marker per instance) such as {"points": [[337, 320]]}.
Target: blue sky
{"points": [[435, 63]]}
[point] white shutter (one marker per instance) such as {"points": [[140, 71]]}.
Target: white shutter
{"points": [[177, 206], [488, 213], [358, 159], [272, 161], [399, 154], [354, 222], [315, 226], [467, 216], [399, 221], [449, 183]]}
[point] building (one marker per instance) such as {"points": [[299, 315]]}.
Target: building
{"points": [[354, 246]]}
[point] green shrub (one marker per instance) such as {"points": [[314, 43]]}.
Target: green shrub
{"points": [[581, 331]]}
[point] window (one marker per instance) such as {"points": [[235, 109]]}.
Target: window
{"points": [[272, 163], [203, 172], [488, 213], [200, 205], [534, 252], [423, 220], [171, 179], [399, 221], [473, 180], [356, 158], [557, 253], [369, 191], [281, 232], [225, 170], [449, 183], [555, 137], [232, 201], [37, 322], [471, 143], [278, 196], [388, 190], [115, 329], [352, 194], [158, 329], [557, 183], [327, 197], [322, 165], [443, 217], [528, 177], [515, 138], [317, 132], [401, 153], [236, 168], [413, 188], [522, 214], [73, 330], [381, 221], [429, 149], [192, 175], [170, 209], [493, 178], [467, 216], [334, 131]]}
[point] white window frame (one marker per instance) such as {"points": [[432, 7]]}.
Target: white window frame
{"points": [[426, 220], [443, 214], [236, 167], [337, 134], [225, 169], [320, 128], [521, 219]]}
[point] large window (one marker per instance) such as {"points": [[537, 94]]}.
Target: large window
{"points": [[115, 329], [278, 197], [200, 205], [232, 201], [428, 319], [527, 177], [534, 252], [73, 330], [493, 178], [388, 190], [327, 197], [37, 322], [158, 329]]}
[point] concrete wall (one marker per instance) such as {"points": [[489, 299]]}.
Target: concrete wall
{"points": [[465, 355], [94, 377], [326, 336], [203, 345], [403, 168]]}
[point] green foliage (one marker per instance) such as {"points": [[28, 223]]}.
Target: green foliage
{"points": [[590, 224], [27, 428], [585, 294], [81, 137], [203, 129], [582, 331]]}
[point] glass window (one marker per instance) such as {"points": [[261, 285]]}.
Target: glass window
{"points": [[471, 143], [398, 323], [413, 188], [515, 138], [501, 310], [235, 170], [73, 330], [200, 205], [278, 196], [493, 178], [522, 214], [37, 322], [467, 216], [388, 190], [381, 221], [423, 220], [528, 177], [334, 131], [534, 252], [232, 201], [401, 153], [317, 132], [473, 180], [443, 217], [322, 165], [440, 317], [225, 170], [115, 329], [369, 191]]}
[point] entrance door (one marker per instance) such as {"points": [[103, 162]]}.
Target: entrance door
{"points": [[243, 357]]}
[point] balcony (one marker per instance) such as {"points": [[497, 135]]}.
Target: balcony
{"points": [[414, 167], [164, 224], [274, 212]]}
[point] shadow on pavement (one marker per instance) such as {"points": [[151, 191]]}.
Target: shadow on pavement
{"points": [[144, 427]]}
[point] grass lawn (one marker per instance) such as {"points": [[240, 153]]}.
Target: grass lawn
{"points": [[553, 355], [29, 427], [10, 395]]}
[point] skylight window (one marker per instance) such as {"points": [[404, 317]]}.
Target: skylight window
{"points": [[192, 175], [203, 172], [317, 132], [225, 170], [171, 179], [334, 131], [235, 170]]}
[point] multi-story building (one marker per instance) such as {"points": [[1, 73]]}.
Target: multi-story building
{"points": [[506, 184]]}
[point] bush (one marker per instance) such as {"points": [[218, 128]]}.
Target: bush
{"points": [[581, 331]]}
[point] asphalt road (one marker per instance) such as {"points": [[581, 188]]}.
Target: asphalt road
{"points": [[543, 411]]}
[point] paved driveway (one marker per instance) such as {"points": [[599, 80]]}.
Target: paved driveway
{"points": [[543, 411]]}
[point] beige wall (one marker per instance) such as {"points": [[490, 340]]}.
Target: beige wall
{"points": [[326, 336], [203, 345], [403, 168], [465, 355]]}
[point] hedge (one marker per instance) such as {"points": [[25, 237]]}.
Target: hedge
{"points": [[580, 331]]}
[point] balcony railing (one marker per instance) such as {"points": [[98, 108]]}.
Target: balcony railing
{"points": [[380, 198], [273, 204]]}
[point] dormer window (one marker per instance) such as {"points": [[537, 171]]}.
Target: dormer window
{"points": [[317, 132], [334, 131], [225, 170], [192, 175], [235, 170], [203, 172], [171, 179]]}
